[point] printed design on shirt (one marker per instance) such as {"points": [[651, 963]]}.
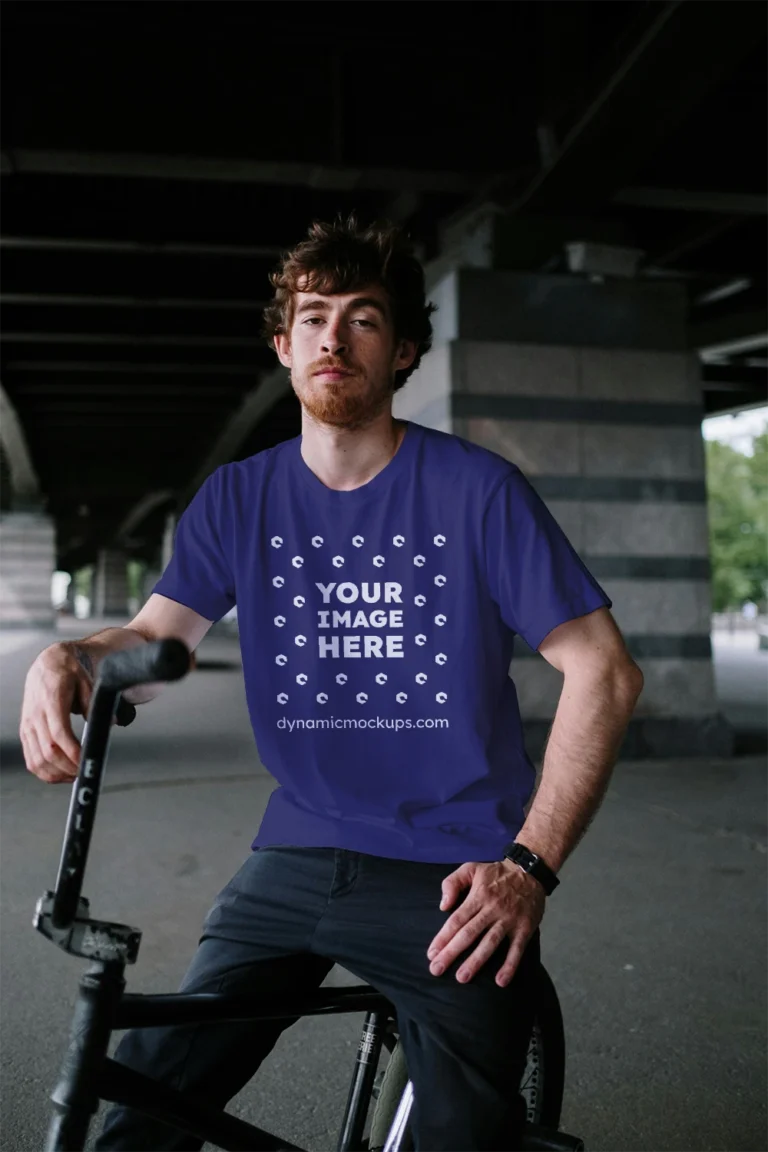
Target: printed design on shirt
{"points": [[337, 618]]}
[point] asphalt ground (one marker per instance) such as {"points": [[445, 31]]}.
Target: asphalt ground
{"points": [[656, 938]]}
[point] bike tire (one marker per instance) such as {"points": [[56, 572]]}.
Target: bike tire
{"points": [[392, 1087], [541, 1084], [543, 1079]]}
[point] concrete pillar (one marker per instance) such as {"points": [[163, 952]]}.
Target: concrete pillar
{"points": [[27, 563], [110, 584], [166, 551], [586, 384], [151, 577], [6, 482]]}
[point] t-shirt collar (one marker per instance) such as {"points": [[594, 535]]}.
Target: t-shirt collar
{"points": [[373, 488]]}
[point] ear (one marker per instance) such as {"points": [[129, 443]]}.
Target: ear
{"points": [[283, 349], [406, 354]]}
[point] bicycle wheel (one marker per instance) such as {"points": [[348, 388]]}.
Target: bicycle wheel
{"points": [[541, 1084]]}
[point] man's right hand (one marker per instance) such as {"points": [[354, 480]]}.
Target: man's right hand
{"points": [[56, 686], [58, 683]]}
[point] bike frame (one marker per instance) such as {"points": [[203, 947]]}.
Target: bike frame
{"points": [[89, 1075]]}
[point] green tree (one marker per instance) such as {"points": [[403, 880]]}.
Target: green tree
{"points": [[737, 487], [758, 464], [83, 581]]}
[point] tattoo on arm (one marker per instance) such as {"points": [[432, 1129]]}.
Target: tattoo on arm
{"points": [[84, 659]]}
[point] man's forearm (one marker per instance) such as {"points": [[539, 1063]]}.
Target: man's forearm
{"points": [[91, 650], [590, 722]]}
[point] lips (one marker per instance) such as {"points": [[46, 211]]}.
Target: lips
{"points": [[333, 373]]}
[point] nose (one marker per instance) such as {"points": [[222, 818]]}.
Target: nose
{"points": [[333, 341]]}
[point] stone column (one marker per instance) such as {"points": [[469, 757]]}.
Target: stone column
{"points": [[169, 533], [151, 577], [27, 563], [110, 584], [587, 385]]}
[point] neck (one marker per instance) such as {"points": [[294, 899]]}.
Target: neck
{"points": [[345, 459]]}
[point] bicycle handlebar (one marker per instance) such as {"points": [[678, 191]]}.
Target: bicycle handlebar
{"points": [[147, 664], [158, 660]]}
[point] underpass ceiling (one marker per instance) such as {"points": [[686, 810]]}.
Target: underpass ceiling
{"points": [[157, 159]]}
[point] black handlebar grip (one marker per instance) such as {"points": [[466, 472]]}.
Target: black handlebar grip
{"points": [[158, 660]]}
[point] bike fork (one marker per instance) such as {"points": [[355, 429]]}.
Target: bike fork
{"points": [[368, 1052], [76, 1097]]}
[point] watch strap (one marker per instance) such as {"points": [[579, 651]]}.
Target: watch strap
{"points": [[533, 864]]}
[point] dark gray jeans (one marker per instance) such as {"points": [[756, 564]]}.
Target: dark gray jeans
{"points": [[283, 920]]}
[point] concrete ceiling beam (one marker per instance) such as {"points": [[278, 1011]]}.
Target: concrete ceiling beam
{"points": [[253, 409], [324, 177]]}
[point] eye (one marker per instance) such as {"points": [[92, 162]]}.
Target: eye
{"points": [[368, 323]]}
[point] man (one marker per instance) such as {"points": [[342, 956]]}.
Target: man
{"points": [[380, 571]]}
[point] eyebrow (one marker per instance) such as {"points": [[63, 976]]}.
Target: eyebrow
{"points": [[358, 302]]}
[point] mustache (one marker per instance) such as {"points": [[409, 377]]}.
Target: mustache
{"points": [[325, 367]]}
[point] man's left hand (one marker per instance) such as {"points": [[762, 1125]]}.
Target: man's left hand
{"points": [[503, 902]]}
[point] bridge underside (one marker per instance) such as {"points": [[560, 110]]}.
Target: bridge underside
{"points": [[153, 169]]}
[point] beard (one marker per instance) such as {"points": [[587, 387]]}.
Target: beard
{"points": [[350, 403]]}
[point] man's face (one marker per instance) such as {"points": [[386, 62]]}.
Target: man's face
{"points": [[343, 355]]}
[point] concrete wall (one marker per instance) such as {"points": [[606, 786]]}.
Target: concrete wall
{"points": [[27, 560], [110, 584], [611, 439]]}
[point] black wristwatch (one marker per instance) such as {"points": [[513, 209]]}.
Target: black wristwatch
{"points": [[530, 862]]}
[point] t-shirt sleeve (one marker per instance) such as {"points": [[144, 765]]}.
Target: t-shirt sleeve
{"points": [[198, 574], [535, 575]]}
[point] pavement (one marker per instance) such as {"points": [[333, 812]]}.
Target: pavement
{"points": [[656, 937]]}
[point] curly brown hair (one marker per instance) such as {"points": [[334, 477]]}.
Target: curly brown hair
{"points": [[343, 257]]}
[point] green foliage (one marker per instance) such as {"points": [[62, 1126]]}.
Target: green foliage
{"points": [[83, 581], [737, 487]]}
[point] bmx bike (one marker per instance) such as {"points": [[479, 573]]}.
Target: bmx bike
{"points": [[88, 1075]]}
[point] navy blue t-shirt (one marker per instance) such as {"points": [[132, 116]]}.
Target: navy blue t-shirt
{"points": [[377, 628]]}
